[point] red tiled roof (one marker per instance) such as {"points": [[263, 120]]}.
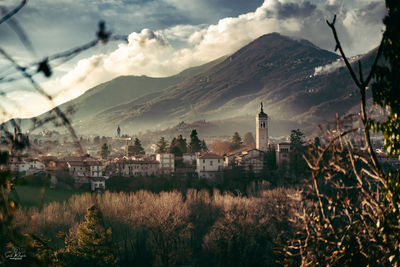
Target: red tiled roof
{"points": [[139, 161], [210, 156]]}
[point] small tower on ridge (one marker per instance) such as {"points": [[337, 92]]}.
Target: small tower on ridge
{"points": [[118, 131], [262, 130]]}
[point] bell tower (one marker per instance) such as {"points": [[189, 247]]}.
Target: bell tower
{"points": [[262, 130]]}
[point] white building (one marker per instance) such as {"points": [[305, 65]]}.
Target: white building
{"points": [[282, 153], [132, 168], [209, 166], [167, 163], [83, 169], [250, 159], [262, 130], [27, 166], [97, 184]]}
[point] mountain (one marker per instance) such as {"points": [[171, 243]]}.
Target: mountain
{"points": [[272, 68], [275, 69], [114, 92]]}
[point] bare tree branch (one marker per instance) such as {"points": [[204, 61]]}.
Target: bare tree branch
{"points": [[13, 12]]}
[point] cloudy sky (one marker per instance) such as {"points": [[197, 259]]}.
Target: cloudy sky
{"points": [[165, 37]]}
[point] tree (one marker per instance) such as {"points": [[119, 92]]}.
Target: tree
{"points": [[386, 93], [105, 152], [296, 138], [195, 143], [204, 147], [248, 140], [91, 245], [162, 146], [297, 164], [356, 219], [385, 89], [270, 159], [178, 146], [137, 147], [236, 141]]}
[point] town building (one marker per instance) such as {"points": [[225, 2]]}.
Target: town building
{"points": [[209, 166], [26, 166], [262, 130], [136, 168], [98, 184], [282, 153], [87, 170], [167, 163], [250, 159]]}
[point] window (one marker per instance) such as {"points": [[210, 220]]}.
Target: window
{"points": [[218, 161], [204, 168], [211, 162], [204, 161]]}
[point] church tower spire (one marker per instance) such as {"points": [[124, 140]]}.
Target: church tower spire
{"points": [[262, 130]]}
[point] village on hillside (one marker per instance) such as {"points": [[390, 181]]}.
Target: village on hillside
{"points": [[120, 156]]}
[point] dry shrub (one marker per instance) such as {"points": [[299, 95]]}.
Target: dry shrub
{"points": [[169, 229], [250, 229]]}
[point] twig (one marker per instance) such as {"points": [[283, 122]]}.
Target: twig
{"points": [[13, 12], [37, 87], [362, 86]]}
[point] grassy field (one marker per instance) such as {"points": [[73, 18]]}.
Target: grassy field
{"points": [[30, 196]]}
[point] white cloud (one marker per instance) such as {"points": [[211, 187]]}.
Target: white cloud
{"points": [[328, 68]]}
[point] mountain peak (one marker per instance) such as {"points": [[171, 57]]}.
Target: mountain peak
{"points": [[278, 41]]}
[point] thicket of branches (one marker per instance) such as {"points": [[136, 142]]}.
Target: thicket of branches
{"points": [[355, 218], [170, 229], [11, 237]]}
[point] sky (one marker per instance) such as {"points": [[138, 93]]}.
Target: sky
{"points": [[164, 38]]}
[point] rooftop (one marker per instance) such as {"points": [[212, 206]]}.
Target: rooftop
{"points": [[210, 156]]}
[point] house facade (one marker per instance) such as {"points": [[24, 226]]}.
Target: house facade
{"points": [[86, 170], [209, 166], [250, 159], [132, 168], [282, 153], [27, 166]]}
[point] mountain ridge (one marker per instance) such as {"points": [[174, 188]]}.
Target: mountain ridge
{"points": [[276, 69]]}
